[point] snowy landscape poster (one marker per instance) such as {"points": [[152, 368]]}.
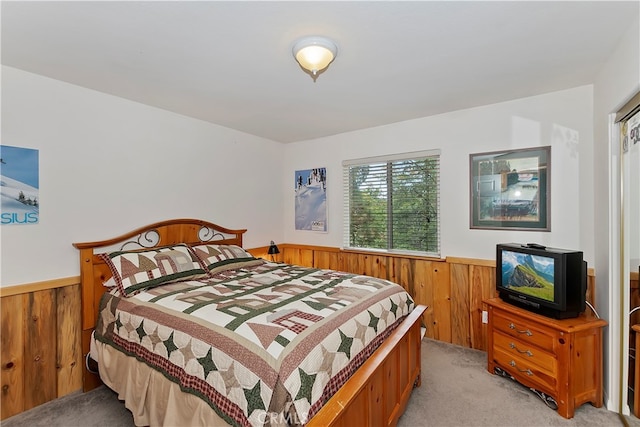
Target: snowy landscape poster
{"points": [[311, 199], [19, 183]]}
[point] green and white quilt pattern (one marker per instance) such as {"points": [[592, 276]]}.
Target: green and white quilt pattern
{"points": [[264, 344]]}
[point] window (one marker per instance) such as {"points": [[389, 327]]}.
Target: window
{"points": [[393, 203]]}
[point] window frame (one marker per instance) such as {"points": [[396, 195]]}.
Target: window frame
{"points": [[388, 159]]}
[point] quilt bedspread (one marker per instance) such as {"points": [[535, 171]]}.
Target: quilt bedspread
{"points": [[263, 345]]}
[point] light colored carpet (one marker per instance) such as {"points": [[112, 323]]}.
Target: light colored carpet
{"points": [[456, 391]]}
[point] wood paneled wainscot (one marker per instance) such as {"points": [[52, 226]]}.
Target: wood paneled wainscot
{"points": [[41, 353]]}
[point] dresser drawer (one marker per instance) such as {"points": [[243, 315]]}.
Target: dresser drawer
{"points": [[525, 331], [526, 372], [525, 350]]}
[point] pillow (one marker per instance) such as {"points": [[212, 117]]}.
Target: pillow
{"points": [[217, 258], [134, 271]]}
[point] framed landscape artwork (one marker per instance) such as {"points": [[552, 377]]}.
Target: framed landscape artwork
{"points": [[510, 189]]}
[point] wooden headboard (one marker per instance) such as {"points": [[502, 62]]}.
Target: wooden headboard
{"points": [[94, 272]]}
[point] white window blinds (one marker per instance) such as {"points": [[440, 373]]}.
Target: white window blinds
{"points": [[392, 203]]}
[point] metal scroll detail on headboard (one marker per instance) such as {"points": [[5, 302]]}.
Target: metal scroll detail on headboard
{"points": [[148, 239], [208, 234], [151, 238]]}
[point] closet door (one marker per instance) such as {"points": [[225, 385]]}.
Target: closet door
{"points": [[630, 242]]}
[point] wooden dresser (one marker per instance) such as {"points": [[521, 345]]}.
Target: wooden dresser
{"points": [[561, 358]]}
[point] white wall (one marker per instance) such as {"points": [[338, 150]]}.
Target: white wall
{"points": [[563, 120], [108, 165]]}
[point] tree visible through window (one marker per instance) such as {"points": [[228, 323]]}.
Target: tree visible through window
{"points": [[393, 204]]}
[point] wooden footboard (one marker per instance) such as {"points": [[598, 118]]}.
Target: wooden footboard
{"points": [[377, 394]]}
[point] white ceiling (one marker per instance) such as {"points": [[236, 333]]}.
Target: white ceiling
{"points": [[230, 62]]}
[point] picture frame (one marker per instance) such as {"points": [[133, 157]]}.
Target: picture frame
{"points": [[310, 188], [20, 189], [510, 189]]}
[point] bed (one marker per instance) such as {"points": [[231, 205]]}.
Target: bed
{"points": [[190, 329]]}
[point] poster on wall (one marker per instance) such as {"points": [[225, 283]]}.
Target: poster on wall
{"points": [[311, 199], [19, 183]]}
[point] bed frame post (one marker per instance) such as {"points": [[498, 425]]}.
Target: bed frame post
{"points": [[90, 380]]}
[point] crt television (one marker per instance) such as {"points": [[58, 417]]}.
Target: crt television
{"points": [[548, 281]]}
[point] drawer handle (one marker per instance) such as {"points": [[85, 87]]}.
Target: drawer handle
{"points": [[515, 347], [526, 371], [527, 332]]}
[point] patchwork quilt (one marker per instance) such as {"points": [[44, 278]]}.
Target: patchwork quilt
{"points": [[261, 344]]}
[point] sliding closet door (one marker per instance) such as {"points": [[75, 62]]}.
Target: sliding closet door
{"points": [[629, 120]]}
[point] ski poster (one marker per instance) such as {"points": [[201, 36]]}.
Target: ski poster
{"points": [[19, 183], [311, 199]]}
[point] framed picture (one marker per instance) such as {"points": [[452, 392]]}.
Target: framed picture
{"points": [[510, 189], [20, 183], [311, 199]]}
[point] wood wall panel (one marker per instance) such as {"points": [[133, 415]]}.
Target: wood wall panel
{"points": [[69, 354], [460, 289], [405, 275], [394, 270], [299, 256], [40, 347], [380, 267], [482, 288], [326, 260], [421, 290], [440, 282], [41, 353], [41, 331], [12, 353], [365, 265]]}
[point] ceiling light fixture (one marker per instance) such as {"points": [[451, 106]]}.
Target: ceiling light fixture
{"points": [[314, 54]]}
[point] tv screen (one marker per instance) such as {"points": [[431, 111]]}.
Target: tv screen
{"points": [[529, 274], [548, 281]]}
